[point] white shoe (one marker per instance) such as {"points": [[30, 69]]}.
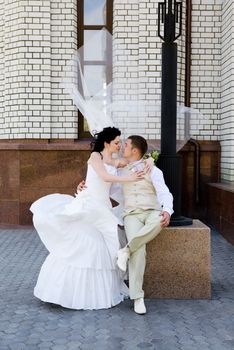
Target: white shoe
{"points": [[139, 306], [122, 258]]}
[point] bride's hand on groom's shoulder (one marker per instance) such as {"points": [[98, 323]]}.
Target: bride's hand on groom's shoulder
{"points": [[121, 162], [82, 186], [137, 175], [149, 164]]}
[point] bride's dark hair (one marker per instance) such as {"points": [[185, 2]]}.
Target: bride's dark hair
{"points": [[106, 135]]}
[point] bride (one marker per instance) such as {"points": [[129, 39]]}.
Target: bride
{"points": [[81, 235]]}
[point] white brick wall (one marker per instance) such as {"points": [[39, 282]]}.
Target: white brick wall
{"points": [[2, 68], [64, 116], [212, 75], [205, 70], [227, 92], [37, 38], [12, 66]]}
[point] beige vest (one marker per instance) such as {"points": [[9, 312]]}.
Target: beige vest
{"points": [[140, 194]]}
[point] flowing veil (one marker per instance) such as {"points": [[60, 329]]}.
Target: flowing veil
{"points": [[113, 94]]}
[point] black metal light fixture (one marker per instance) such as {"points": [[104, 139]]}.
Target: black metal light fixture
{"points": [[169, 29]]}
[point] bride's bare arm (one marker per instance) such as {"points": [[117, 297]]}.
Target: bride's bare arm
{"points": [[122, 162], [97, 163], [117, 162]]}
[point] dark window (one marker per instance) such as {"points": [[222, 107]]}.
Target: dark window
{"points": [[93, 16]]}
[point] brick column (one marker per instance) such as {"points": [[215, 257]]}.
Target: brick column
{"points": [[37, 39], [227, 92], [205, 66]]}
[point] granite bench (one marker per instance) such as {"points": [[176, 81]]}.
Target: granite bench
{"points": [[178, 263]]}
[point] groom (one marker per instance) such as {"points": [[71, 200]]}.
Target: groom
{"points": [[147, 209]]}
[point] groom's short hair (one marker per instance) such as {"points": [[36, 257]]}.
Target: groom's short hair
{"points": [[140, 143]]}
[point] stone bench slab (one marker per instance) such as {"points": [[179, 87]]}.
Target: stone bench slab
{"points": [[178, 263]]}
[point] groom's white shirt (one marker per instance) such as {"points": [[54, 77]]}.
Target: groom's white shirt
{"points": [[163, 194]]}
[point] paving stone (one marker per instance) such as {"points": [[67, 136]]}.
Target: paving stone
{"points": [[29, 324], [79, 346], [145, 345], [17, 346], [44, 345]]}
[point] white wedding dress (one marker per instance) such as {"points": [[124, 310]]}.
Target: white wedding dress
{"points": [[81, 235]]}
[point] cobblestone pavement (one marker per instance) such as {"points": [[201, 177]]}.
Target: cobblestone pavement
{"points": [[29, 324]]}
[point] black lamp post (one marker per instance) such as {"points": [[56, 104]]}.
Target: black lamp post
{"points": [[170, 17]]}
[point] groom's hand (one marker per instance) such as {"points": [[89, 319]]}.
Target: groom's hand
{"points": [[165, 219]]}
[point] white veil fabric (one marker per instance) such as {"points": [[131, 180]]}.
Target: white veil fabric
{"points": [[106, 85]]}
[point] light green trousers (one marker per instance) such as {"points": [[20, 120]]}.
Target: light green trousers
{"points": [[141, 226]]}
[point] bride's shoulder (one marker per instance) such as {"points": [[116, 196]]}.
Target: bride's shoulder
{"points": [[94, 157]]}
